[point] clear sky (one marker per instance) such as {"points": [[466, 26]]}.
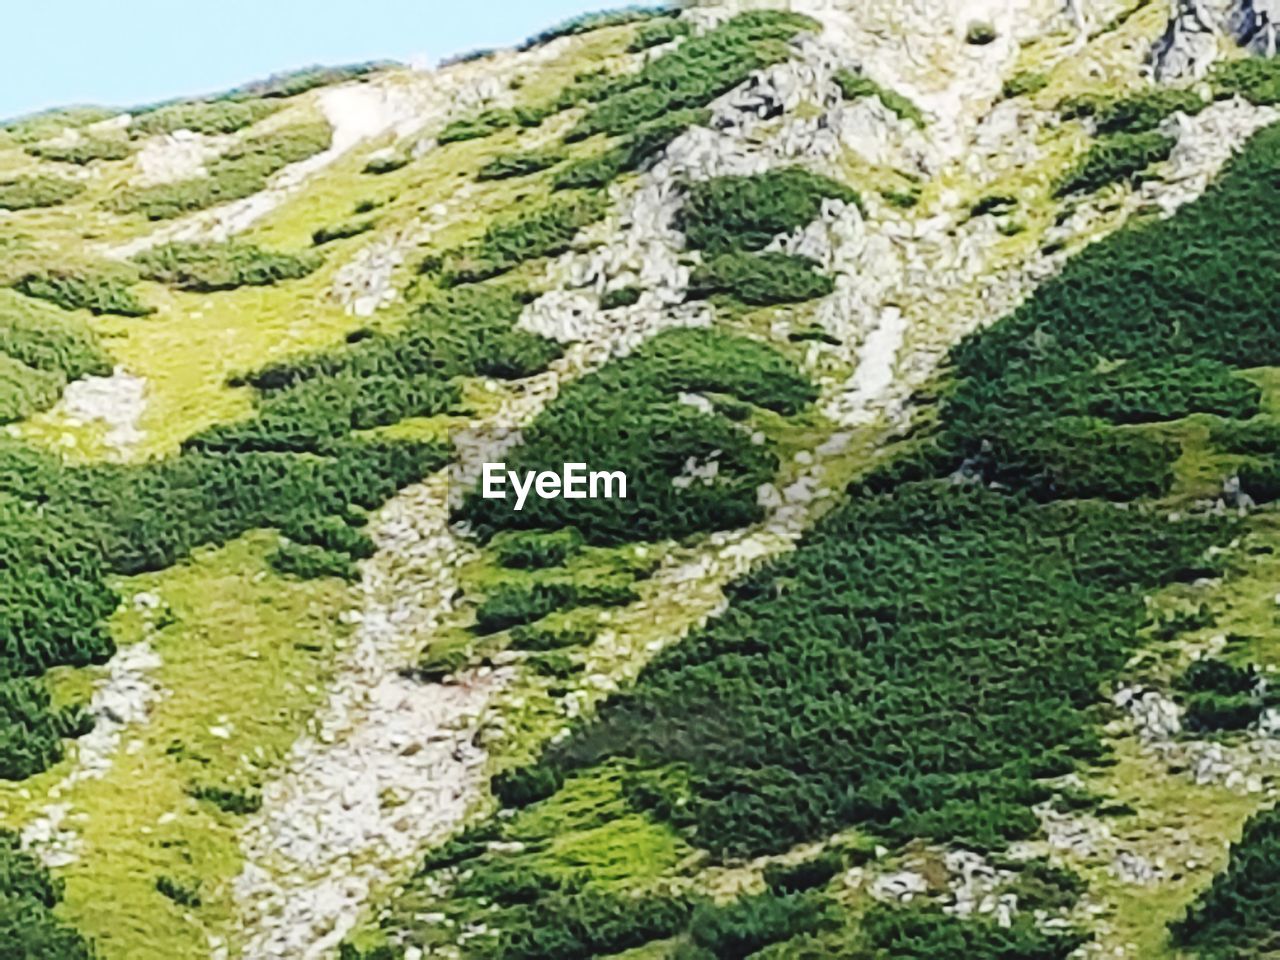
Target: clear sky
{"points": [[129, 52]]}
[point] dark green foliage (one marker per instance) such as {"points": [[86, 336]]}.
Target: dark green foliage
{"points": [[97, 290], [220, 116], [521, 602], [993, 203], [545, 231], [695, 73], [241, 172], [25, 391], [746, 213], [1238, 916], [309, 562], [43, 339], [749, 924], [508, 165], [205, 267], [342, 231], [1042, 886], [926, 933], [1024, 83], [536, 550], [526, 785], [627, 416], [381, 165], [83, 151], [537, 637], [1144, 111], [649, 140], [477, 127], [1258, 437], [855, 86], [294, 82], [312, 402], [585, 924], [806, 875], [31, 730], [902, 199], [1219, 696], [1257, 79], [588, 22], [53, 123], [229, 799], [29, 928], [31, 192], [657, 32], [183, 894], [1118, 158], [760, 279], [980, 33], [622, 297]]}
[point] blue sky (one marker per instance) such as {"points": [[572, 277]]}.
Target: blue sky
{"points": [[60, 52]]}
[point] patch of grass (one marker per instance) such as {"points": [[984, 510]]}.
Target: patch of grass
{"points": [[205, 267], [855, 86], [33, 192]]}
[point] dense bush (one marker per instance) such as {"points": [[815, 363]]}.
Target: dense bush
{"points": [[31, 729], [544, 231], [525, 601], [342, 231], [294, 82], [29, 928], [1257, 79], [507, 165], [631, 153], [693, 74], [241, 172], [747, 212], [535, 550], [806, 875], [1118, 158], [483, 124], [98, 290], [1145, 111], [25, 391], [750, 924], [1219, 696], [83, 151], [206, 267], [220, 116], [32, 192], [926, 933], [855, 86], [588, 22], [389, 164], [622, 297], [1236, 918], [53, 123], [760, 279], [657, 32], [627, 416]]}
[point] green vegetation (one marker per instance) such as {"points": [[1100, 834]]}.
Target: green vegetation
{"points": [[1137, 113], [342, 231], [241, 172], [508, 165], [694, 74], [622, 297], [855, 86], [41, 351], [925, 933], [627, 416], [477, 127], [588, 22], [745, 213], [1257, 79], [980, 33], [1024, 83], [631, 153], [390, 164], [1220, 696], [1119, 158], [29, 928], [204, 267], [764, 279], [1237, 917], [53, 123], [33, 192], [657, 32], [221, 116], [291, 83], [83, 151], [545, 231], [98, 289]]}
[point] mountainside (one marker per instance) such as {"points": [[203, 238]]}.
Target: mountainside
{"points": [[937, 343]]}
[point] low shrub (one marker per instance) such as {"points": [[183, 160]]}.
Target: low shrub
{"points": [[589, 22], [85, 288], [29, 925], [308, 562], [926, 933], [380, 165], [25, 391], [1118, 158], [1146, 110], [621, 297], [208, 117], [657, 32], [33, 192], [980, 33], [536, 550], [749, 924], [479, 126], [291, 83], [806, 875], [83, 151], [342, 231], [1024, 83], [510, 165], [1256, 79], [855, 86], [183, 894], [229, 799], [632, 153], [206, 267], [521, 602], [761, 279], [747, 212]]}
